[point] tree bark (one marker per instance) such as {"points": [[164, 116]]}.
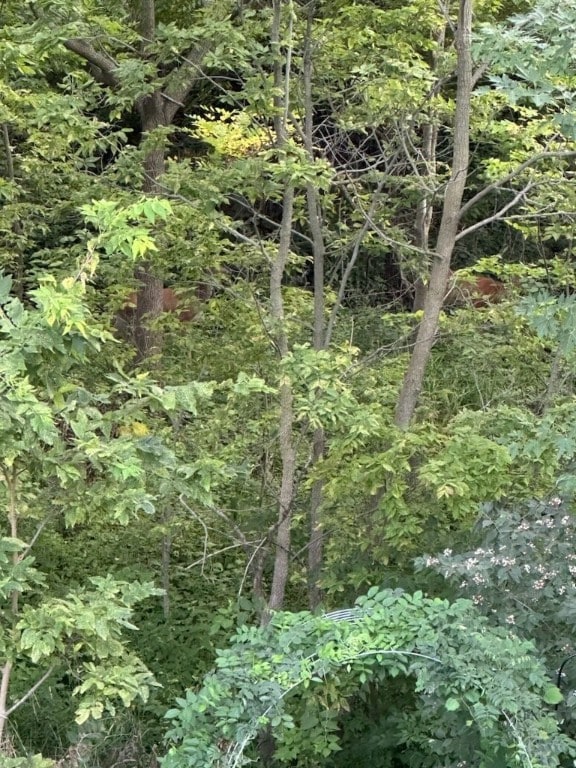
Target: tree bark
{"points": [[11, 482], [316, 540], [414, 377], [281, 567], [425, 209], [286, 422]]}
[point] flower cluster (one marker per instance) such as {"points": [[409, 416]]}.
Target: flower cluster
{"points": [[522, 574]]}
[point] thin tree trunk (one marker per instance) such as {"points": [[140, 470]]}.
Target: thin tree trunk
{"points": [[286, 422], [414, 378], [554, 379], [316, 541], [4, 686], [16, 225], [165, 564], [281, 567], [11, 480], [425, 209]]}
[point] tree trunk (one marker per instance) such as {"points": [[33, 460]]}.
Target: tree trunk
{"points": [[286, 424], [281, 567], [150, 295], [316, 540], [425, 209], [11, 481], [440, 271]]}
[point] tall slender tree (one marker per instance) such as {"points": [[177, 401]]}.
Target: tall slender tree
{"points": [[448, 230]]}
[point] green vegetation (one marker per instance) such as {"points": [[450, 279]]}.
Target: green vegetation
{"points": [[286, 302]]}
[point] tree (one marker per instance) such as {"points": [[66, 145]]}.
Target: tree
{"points": [[306, 190], [448, 229], [69, 454], [142, 66], [320, 142], [59, 454], [452, 208]]}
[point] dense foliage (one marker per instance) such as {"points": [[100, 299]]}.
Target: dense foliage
{"points": [[286, 301], [479, 694]]}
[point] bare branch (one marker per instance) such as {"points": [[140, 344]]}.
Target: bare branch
{"points": [[34, 538], [563, 153], [498, 215], [198, 517], [201, 561], [29, 692], [352, 261], [237, 530], [254, 555]]}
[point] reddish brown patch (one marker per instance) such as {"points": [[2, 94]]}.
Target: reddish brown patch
{"points": [[187, 308], [478, 291], [171, 302]]}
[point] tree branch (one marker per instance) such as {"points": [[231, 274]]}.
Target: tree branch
{"points": [[29, 692], [181, 81], [498, 215], [563, 153], [102, 61], [368, 216]]}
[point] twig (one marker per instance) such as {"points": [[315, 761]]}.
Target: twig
{"points": [[499, 214], [29, 692], [203, 524], [215, 554]]}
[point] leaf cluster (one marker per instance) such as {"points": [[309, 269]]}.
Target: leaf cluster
{"points": [[482, 689]]}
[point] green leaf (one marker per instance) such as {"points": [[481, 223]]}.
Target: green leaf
{"points": [[552, 695]]}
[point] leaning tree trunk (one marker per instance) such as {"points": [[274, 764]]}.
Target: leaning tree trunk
{"points": [[440, 271], [425, 210]]}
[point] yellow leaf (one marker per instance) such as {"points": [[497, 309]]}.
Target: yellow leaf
{"points": [[445, 491]]}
